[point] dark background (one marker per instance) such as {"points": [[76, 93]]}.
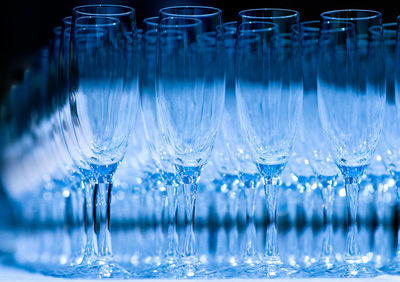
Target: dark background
{"points": [[26, 25]]}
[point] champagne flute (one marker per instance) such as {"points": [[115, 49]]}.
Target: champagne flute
{"points": [[351, 94], [190, 95], [269, 102]]}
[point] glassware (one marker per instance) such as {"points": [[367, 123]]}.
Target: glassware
{"points": [[226, 182], [269, 94], [312, 138], [102, 90], [351, 93], [240, 158], [190, 93], [391, 129], [63, 208], [157, 146], [82, 190]]}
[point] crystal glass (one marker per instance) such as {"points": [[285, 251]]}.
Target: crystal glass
{"points": [[82, 191], [390, 150], [103, 81], [190, 94], [351, 95], [157, 146], [312, 137], [67, 178], [269, 95], [225, 181], [391, 129], [240, 158]]}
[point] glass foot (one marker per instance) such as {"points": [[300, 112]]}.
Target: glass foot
{"points": [[324, 267], [247, 267], [165, 270], [354, 270], [69, 268], [245, 271], [393, 267], [100, 268], [273, 267], [192, 267]]}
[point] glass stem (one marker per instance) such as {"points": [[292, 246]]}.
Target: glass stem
{"points": [[250, 190], [352, 190], [101, 217], [271, 194], [58, 235], [43, 227], [78, 229], [190, 191], [172, 210], [232, 231], [159, 212], [69, 222], [327, 198], [398, 226], [90, 248]]}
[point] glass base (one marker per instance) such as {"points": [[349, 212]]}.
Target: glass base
{"points": [[165, 270], [192, 267], [98, 269], [324, 267], [393, 267], [273, 267], [354, 270], [249, 268]]}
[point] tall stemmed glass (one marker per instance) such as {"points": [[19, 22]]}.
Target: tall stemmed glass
{"points": [[66, 124], [73, 194], [391, 127], [190, 96], [70, 180], [351, 95], [240, 155], [102, 99], [269, 96], [312, 138], [156, 141], [391, 130], [81, 169], [273, 98]]}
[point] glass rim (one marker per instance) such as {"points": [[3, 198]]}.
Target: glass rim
{"points": [[99, 30], [392, 24], [67, 20], [389, 30], [308, 25], [230, 23], [271, 27], [291, 13], [230, 27], [346, 26], [215, 13], [150, 21], [129, 11], [374, 14], [114, 22], [195, 22]]}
